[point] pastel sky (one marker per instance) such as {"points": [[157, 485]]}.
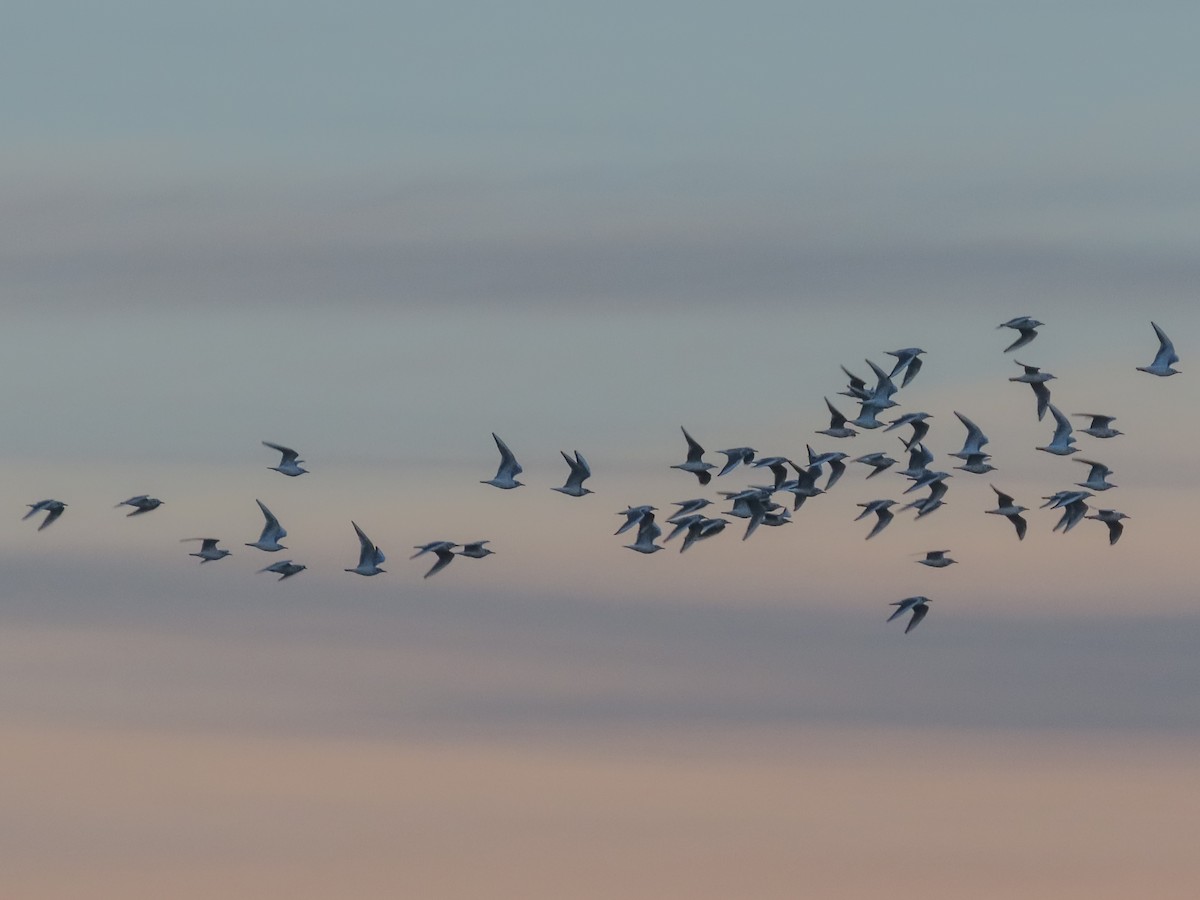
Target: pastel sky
{"points": [[380, 232]]}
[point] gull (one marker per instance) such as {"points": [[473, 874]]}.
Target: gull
{"points": [[1036, 379], [918, 606], [1164, 358], [1010, 510], [634, 515], [735, 456], [1096, 480], [683, 523], [289, 464], [208, 549], [1073, 512], [837, 424], [908, 360], [695, 463], [868, 417], [881, 510], [687, 507], [648, 531], [919, 425], [369, 556], [1101, 426], [1027, 327], [1059, 499], [919, 458], [977, 464], [857, 387], [580, 471], [877, 461], [506, 474], [444, 551], [885, 388], [271, 533], [1060, 444], [927, 478], [1112, 519], [937, 559], [52, 508], [834, 459], [475, 550], [804, 485], [753, 504], [777, 517], [285, 568], [937, 490], [141, 504], [778, 466], [701, 530], [975, 440]]}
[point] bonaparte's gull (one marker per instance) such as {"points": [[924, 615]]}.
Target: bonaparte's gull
{"points": [[444, 550], [580, 471], [734, 457], [907, 359], [877, 461], [833, 459], [1010, 510], [208, 549], [1060, 443], [1073, 512], [975, 440], [837, 423], [701, 530], [695, 462], [1112, 519], [1165, 357], [285, 568], [883, 513], [1027, 327], [1036, 379], [271, 533], [857, 387], [475, 550], [369, 556], [937, 559], [648, 532], [289, 464], [1097, 476], [918, 606], [977, 464], [633, 516], [141, 504], [688, 507], [506, 474], [1101, 426], [52, 508], [919, 425]]}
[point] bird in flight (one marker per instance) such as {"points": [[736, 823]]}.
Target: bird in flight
{"points": [[695, 462], [271, 533], [1164, 359], [918, 606], [369, 556], [142, 503], [208, 549], [285, 568], [52, 508], [506, 474], [580, 472], [288, 464]]}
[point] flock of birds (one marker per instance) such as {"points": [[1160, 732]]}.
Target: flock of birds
{"points": [[755, 504]]}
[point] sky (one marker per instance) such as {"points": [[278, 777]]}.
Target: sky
{"points": [[379, 233]]}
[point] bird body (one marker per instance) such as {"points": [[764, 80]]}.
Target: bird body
{"points": [[506, 475], [1164, 359], [580, 472], [271, 533], [52, 508], [918, 606], [289, 464], [369, 556], [209, 550], [142, 503]]}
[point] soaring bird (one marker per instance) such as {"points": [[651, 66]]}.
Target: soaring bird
{"points": [[1112, 519], [289, 464], [208, 549], [882, 511], [648, 532], [918, 606], [285, 569], [369, 556], [695, 462], [142, 503], [271, 533], [52, 508], [1007, 507], [907, 360], [580, 472], [1165, 357], [837, 423], [937, 559], [444, 551], [1060, 443], [509, 469], [1036, 379], [734, 457], [1027, 327], [1101, 426]]}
